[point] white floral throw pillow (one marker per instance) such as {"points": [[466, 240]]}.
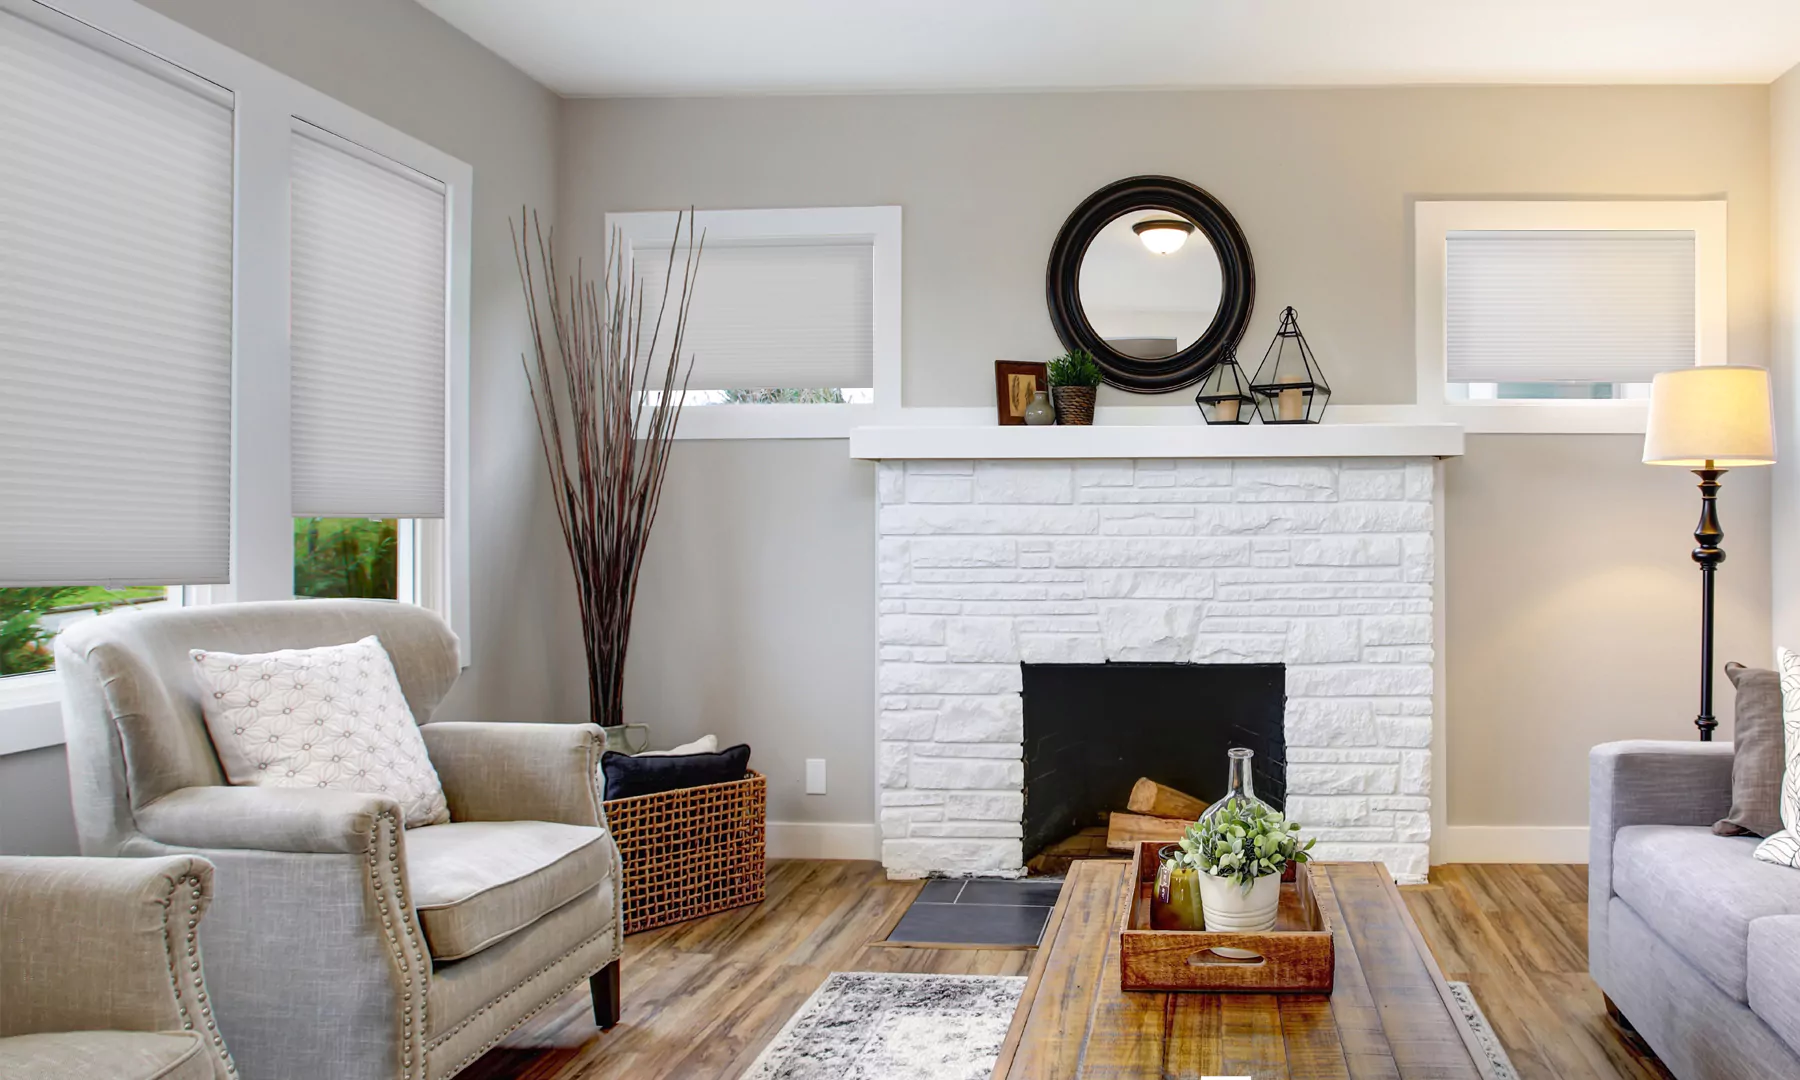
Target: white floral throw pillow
{"points": [[332, 717], [1783, 848]]}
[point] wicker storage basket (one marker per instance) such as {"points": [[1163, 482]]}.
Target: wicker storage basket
{"points": [[692, 851]]}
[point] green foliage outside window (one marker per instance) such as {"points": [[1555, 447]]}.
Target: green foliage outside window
{"points": [[830, 396], [25, 638], [347, 557]]}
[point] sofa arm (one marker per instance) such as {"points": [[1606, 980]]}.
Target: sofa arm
{"points": [[307, 820], [105, 944], [519, 772], [1645, 782]]}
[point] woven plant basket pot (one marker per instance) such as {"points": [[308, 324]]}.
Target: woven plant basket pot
{"points": [[1074, 405]]}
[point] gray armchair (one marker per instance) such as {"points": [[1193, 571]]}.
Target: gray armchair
{"points": [[100, 973], [342, 945]]}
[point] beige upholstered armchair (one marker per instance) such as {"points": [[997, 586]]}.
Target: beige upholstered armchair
{"points": [[100, 975], [341, 945]]}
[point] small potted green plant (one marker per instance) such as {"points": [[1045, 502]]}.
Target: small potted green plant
{"points": [[1073, 379], [1239, 854]]}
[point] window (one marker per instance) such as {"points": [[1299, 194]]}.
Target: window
{"points": [[169, 211], [1556, 315], [30, 618], [793, 327]]}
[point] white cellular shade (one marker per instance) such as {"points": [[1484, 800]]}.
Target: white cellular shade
{"points": [[770, 314], [1558, 306], [368, 317], [115, 316]]}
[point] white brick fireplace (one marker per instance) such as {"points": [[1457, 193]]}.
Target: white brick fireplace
{"points": [[1325, 564]]}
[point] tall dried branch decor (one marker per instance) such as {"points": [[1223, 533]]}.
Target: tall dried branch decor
{"points": [[606, 432]]}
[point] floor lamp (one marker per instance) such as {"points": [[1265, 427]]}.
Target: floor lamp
{"points": [[1708, 419]]}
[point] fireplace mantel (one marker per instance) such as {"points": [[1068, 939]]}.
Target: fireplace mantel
{"points": [[994, 443]]}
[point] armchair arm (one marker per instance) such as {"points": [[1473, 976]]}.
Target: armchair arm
{"points": [[1645, 782], [308, 820], [99, 944], [519, 772]]}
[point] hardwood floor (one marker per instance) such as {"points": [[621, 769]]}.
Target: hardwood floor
{"points": [[1517, 934], [703, 998]]}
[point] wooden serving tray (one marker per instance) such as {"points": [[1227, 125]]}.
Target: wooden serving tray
{"points": [[1297, 957]]}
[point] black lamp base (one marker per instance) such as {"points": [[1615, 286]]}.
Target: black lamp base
{"points": [[1707, 536]]}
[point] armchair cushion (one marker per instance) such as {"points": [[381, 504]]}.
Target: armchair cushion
{"points": [[474, 883], [1700, 893], [333, 717], [106, 1055]]}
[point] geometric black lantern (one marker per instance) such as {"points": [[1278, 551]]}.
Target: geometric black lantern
{"points": [[1289, 387], [1224, 396]]}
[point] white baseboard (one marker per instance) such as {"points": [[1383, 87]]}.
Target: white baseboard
{"points": [[1511, 844], [823, 840]]}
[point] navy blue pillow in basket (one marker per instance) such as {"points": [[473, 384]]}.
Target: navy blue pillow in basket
{"points": [[628, 777]]}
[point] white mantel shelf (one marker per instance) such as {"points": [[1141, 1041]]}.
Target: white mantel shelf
{"points": [[992, 442]]}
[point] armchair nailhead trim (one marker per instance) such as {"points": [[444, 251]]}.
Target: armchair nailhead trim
{"points": [[516, 1024], [389, 895], [193, 982]]}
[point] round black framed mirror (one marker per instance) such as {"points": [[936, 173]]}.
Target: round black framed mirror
{"points": [[1153, 277]]}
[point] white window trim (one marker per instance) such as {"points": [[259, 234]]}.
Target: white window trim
{"points": [[265, 105], [1434, 220], [881, 224]]}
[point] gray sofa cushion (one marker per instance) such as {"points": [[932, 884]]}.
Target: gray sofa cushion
{"points": [[1775, 975], [1758, 754], [1700, 893], [476, 882]]}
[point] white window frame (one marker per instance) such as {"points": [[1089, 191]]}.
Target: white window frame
{"points": [[265, 105], [881, 225], [1433, 221]]}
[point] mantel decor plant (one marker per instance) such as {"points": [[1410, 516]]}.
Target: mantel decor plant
{"points": [[607, 386], [1074, 379], [1238, 856]]}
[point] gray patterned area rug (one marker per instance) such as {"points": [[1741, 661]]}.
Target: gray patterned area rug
{"points": [[866, 1026], [1484, 1032]]}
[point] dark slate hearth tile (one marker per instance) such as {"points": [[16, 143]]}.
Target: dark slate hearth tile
{"points": [[1025, 893], [940, 891], [971, 924]]}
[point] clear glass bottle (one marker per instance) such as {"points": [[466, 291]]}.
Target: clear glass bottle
{"points": [[1240, 786]]}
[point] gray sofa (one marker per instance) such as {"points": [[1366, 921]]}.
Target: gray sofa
{"points": [[342, 946], [1696, 943]]}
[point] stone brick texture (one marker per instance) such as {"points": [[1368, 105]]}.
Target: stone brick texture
{"points": [[1324, 565]]}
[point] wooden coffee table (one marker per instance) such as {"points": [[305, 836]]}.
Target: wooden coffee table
{"points": [[1389, 1016]]}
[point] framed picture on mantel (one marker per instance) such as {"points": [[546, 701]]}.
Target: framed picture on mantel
{"points": [[1014, 384]]}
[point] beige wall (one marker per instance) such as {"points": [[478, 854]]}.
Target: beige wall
{"points": [[1322, 182], [1784, 174], [1573, 614]]}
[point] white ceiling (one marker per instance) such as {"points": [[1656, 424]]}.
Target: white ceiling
{"points": [[668, 47]]}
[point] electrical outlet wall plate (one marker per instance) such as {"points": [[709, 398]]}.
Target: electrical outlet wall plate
{"points": [[815, 776]]}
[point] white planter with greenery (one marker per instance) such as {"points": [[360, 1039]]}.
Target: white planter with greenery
{"points": [[1240, 852]]}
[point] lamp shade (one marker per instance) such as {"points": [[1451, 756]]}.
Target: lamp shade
{"points": [[1711, 416]]}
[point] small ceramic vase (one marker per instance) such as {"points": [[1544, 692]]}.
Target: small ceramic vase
{"points": [[1040, 412], [1175, 900], [1234, 909]]}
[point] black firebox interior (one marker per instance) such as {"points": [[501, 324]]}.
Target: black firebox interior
{"points": [[1092, 729]]}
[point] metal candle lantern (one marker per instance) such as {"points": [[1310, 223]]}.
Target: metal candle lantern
{"points": [[1289, 387], [1224, 396]]}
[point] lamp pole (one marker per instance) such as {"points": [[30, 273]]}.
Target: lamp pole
{"points": [[1709, 555]]}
